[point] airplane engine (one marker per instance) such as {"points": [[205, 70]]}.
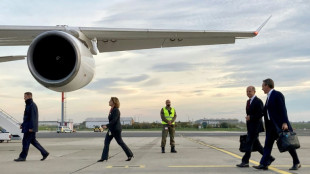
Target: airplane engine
{"points": [[60, 62]]}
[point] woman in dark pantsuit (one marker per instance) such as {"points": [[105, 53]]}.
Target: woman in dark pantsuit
{"points": [[114, 131]]}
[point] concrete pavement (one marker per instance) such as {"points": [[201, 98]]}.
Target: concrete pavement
{"points": [[196, 154]]}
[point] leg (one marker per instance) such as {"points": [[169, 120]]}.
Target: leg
{"points": [[267, 149], [259, 146], [164, 135], [249, 146], [119, 140], [37, 145], [171, 134], [26, 144], [107, 141], [294, 155]]}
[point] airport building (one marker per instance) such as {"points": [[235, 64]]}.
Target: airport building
{"points": [[68, 123], [92, 122], [216, 122]]}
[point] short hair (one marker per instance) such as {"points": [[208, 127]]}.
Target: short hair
{"points": [[116, 102], [28, 94], [269, 82]]}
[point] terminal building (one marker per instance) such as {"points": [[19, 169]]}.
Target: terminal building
{"points": [[92, 122], [216, 122]]}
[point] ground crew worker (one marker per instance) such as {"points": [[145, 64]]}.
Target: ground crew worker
{"points": [[168, 116]]}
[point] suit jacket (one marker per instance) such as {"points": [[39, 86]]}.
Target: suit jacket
{"points": [[255, 111], [114, 120], [277, 113], [31, 117]]}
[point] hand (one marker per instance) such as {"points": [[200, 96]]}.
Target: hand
{"points": [[247, 118], [104, 126], [284, 126], [20, 126], [30, 130], [169, 122]]}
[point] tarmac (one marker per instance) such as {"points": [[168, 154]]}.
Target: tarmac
{"points": [[197, 153]]}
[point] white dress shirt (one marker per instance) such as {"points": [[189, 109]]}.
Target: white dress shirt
{"points": [[268, 95]]}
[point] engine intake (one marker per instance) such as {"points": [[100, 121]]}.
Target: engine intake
{"points": [[60, 62]]}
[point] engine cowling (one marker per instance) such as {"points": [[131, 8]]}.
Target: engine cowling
{"points": [[60, 62]]}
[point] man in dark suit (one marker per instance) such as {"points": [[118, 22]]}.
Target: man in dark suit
{"points": [[254, 111], [29, 128], [276, 120]]}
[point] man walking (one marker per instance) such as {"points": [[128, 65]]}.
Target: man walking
{"points": [[29, 128], [254, 112], [276, 120], [168, 116]]}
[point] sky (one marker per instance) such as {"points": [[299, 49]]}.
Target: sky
{"points": [[201, 82]]}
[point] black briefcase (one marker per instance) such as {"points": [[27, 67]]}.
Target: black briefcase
{"points": [[243, 145], [287, 141]]}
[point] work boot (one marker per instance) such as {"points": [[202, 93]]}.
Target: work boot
{"points": [[162, 149], [173, 150]]}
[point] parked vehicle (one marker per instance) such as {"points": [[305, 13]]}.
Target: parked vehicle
{"points": [[98, 129], [5, 136], [64, 129]]}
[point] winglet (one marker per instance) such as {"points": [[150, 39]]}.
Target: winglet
{"points": [[260, 27]]}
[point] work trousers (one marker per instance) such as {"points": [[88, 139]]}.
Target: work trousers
{"points": [[168, 129], [30, 138], [118, 137]]}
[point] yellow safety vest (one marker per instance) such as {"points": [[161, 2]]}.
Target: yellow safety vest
{"points": [[168, 116]]}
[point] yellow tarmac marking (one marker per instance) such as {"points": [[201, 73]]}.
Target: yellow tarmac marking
{"points": [[202, 166], [237, 156], [126, 166]]}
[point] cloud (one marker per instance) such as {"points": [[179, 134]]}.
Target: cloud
{"points": [[173, 67], [212, 78]]}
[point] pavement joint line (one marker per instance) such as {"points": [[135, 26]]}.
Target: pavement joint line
{"points": [[126, 166], [237, 156], [93, 163]]}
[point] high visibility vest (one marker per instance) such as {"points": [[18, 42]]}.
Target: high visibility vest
{"points": [[168, 116]]}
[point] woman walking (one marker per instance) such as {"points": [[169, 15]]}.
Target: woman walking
{"points": [[114, 131]]}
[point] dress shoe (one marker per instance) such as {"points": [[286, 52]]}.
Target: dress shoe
{"points": [[271, 159], [20, 159], [261, 167], [45, 156], [129, 158], [101, 160], [243, 165], [295, 167]]}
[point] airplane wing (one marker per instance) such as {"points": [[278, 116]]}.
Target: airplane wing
{"points": [[11, 58], [125, 39], [109, 39]]}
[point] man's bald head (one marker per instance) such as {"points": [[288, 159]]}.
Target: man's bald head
{"points": [[250, 91]]}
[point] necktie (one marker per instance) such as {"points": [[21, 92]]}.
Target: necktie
{"points": [[248, 104]]}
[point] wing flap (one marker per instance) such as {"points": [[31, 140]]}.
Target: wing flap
{"points": [[131, 44]]}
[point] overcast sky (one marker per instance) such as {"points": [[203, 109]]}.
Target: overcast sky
{"points": [[201, 82]]}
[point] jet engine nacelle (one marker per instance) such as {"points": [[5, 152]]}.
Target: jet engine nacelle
{"points": [[60, 62]]}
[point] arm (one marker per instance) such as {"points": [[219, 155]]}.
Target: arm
{"points": [[115, 114], [33, 117], [282, 111], [258, 111], [175, 117], [163, 118]]}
